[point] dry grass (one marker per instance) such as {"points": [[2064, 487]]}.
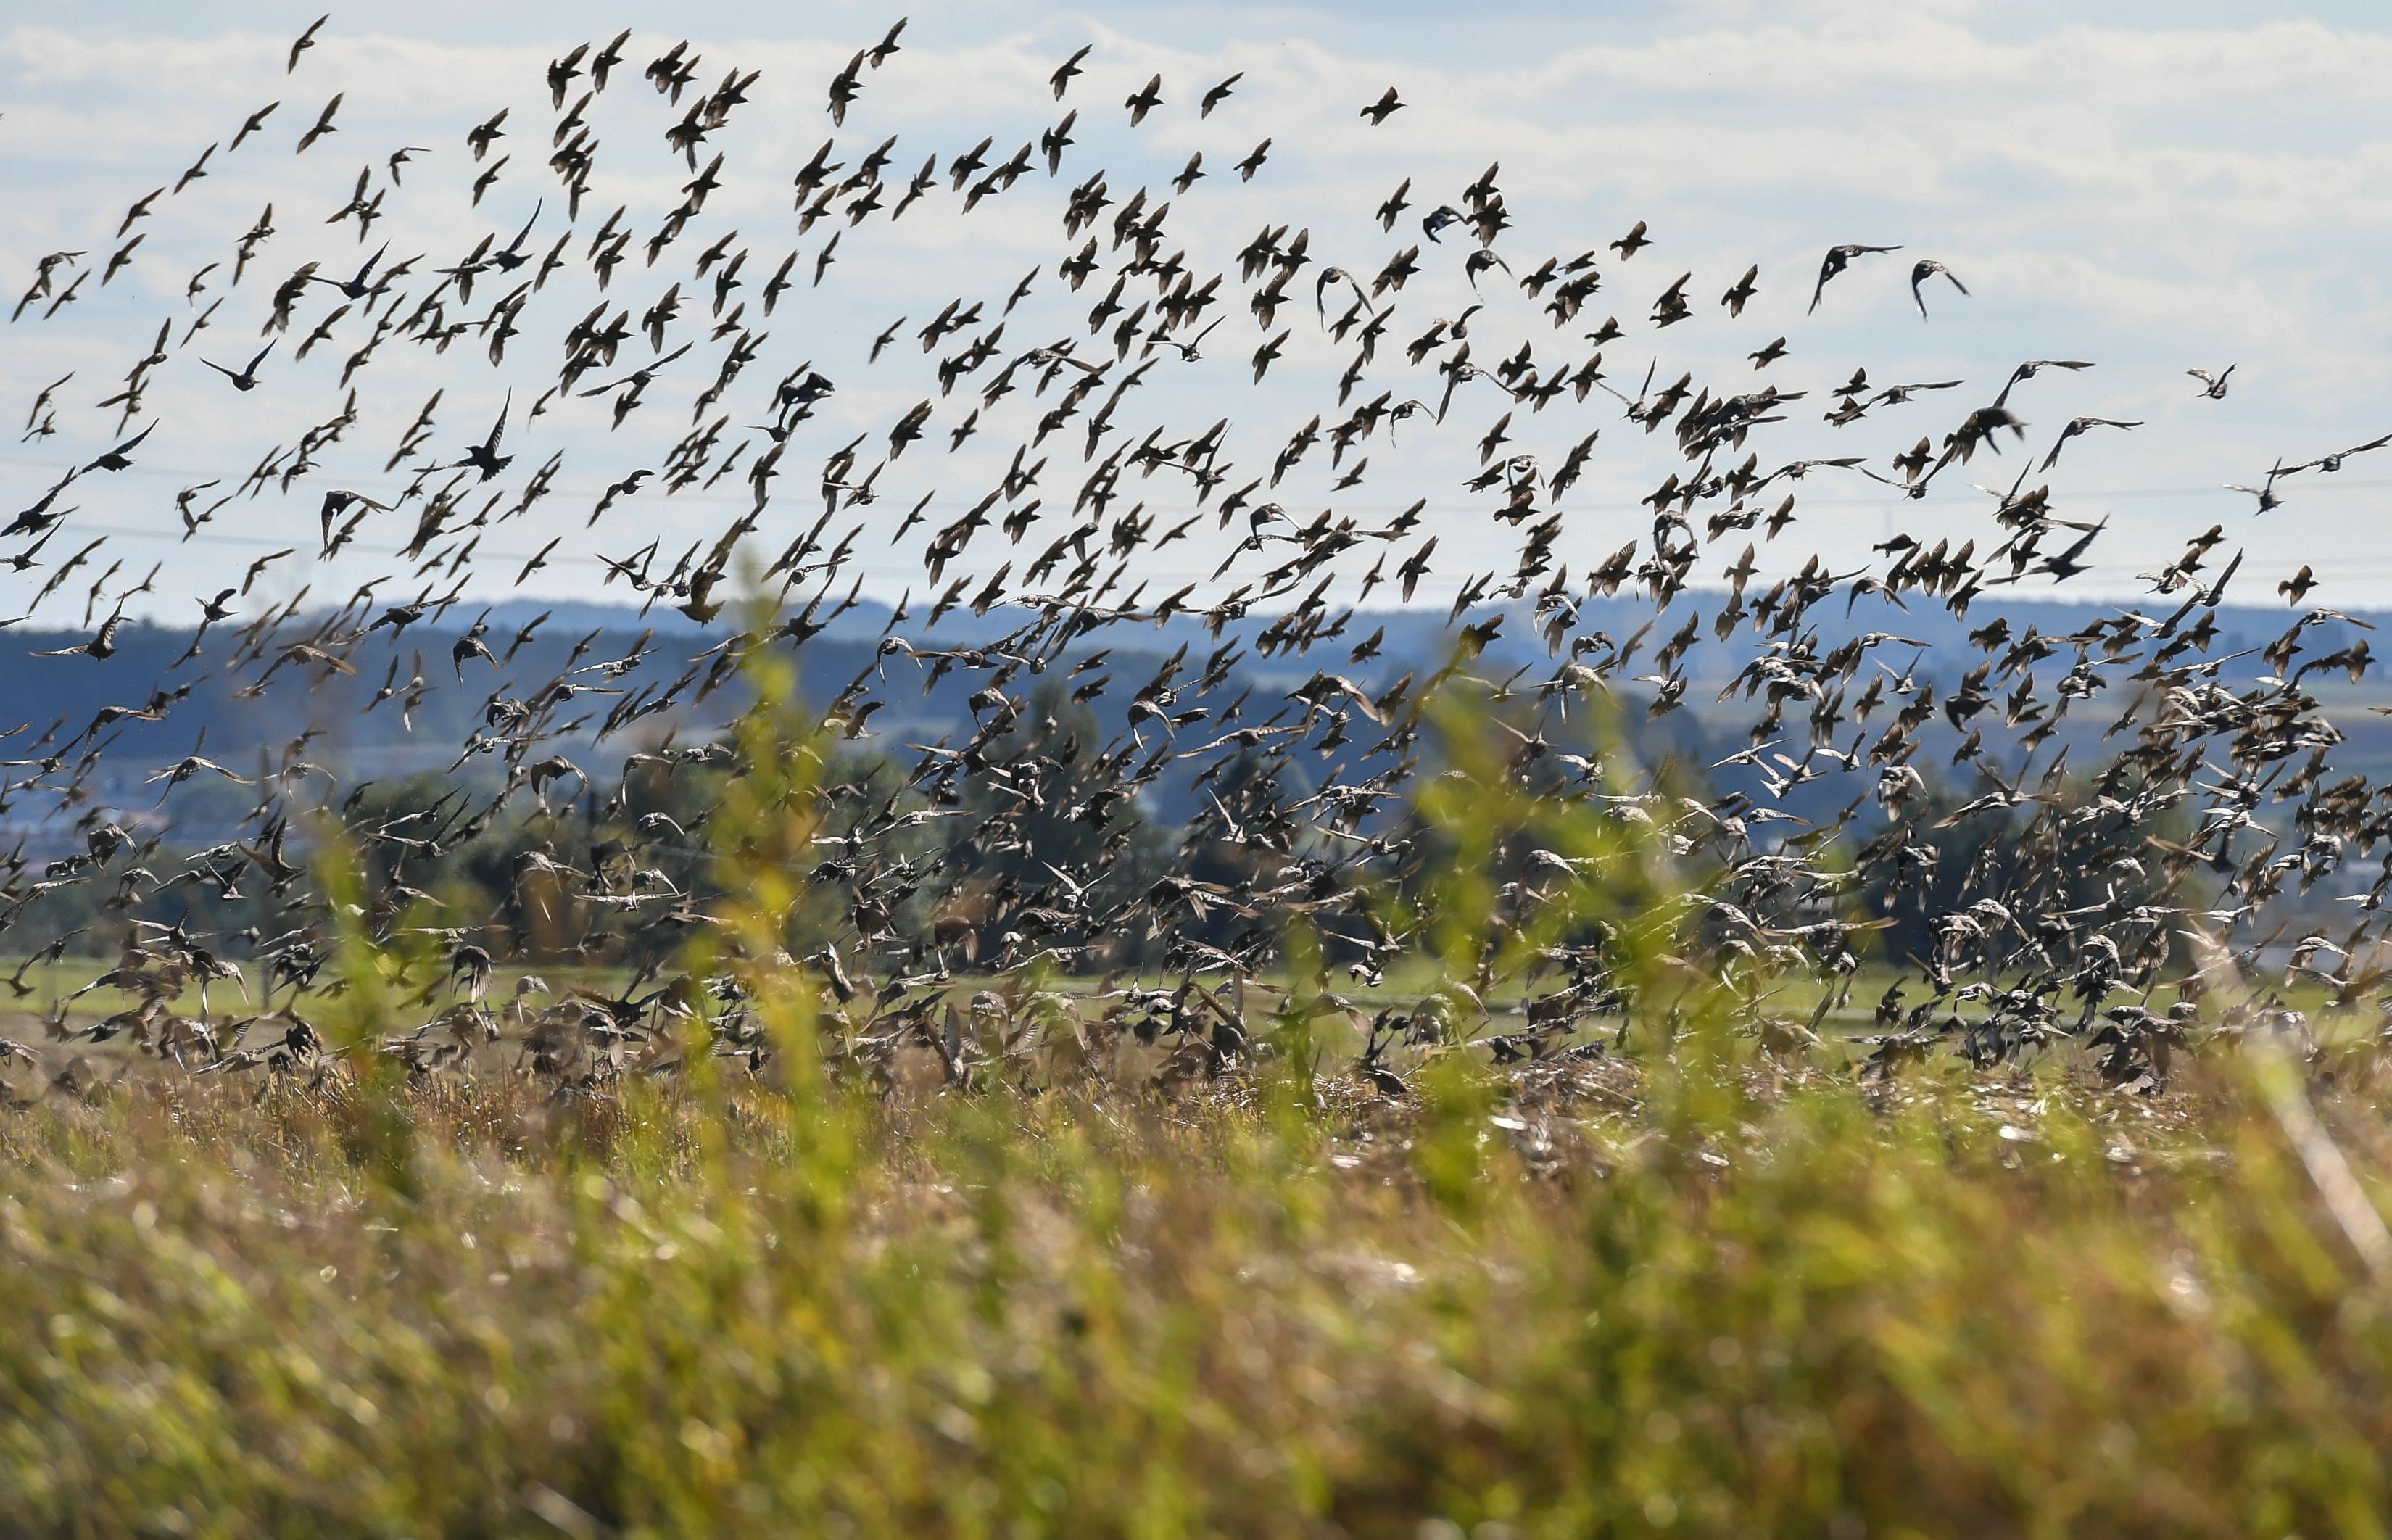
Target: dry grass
{"points": [[1687, 1286], [1578, 1300]]}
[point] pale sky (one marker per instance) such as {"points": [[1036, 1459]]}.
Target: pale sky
{"points": [[2168, 186]]}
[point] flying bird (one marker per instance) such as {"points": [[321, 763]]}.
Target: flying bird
{"points": [[323, 126], [244, 380], [1145, 99], [1838, 259], [304, 42], [1920, 272], [2078, 426]]}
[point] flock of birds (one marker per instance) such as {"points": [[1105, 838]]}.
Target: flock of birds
{"points": [[1307, 794]]}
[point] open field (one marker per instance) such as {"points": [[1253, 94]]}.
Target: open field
{"points": [[62, 993], [1589, 1296]]}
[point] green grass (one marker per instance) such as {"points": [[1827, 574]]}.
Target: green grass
{"points": [[1581, 1300], [1713, 1282]]}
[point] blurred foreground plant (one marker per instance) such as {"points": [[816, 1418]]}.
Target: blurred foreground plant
{"points": [[838, 1256]]}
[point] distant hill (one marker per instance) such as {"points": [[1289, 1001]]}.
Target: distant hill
{"points": [[382, 740]]}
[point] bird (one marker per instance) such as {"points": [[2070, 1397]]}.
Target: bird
{"points": [[484, 135], [1741, 293], [1384, 108], [246, 378], [1920, 272], [2333, 462], [304, 42], [602, 62], [2034, 366], [1443, 217], [100, 648], [485, 456], [2213, 386], [2076, 427], [1070, 68], [252, 124], [1145, 99], [2265, 492], [1838, 259], [121, 457], [323, 126], [845, 87], [194, 172]]}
